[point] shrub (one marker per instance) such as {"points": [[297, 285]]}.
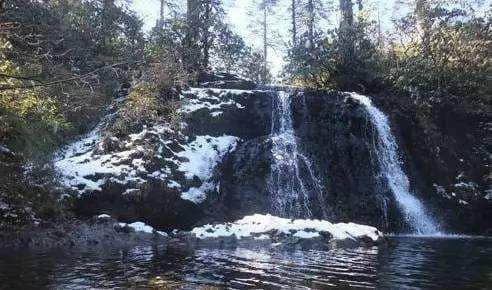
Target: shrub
{"points": [[154, 99], [457, 62]]}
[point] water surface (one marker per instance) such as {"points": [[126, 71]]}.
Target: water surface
{"points": [[408, 263]]}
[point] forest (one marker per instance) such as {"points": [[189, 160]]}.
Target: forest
{"points": [[63, 61], [80, 74]]}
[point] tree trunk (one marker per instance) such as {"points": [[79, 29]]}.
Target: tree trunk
{"points": [[107, 23], [294, 23], [161, 15], [311, 23], [192, 53], [424, 23], [346, 28], [347, 14], [206, 33], [265, 44]]}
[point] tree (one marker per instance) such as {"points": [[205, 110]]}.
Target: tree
{"points": [[63, 60], [293, 8], [211, 23], [310, 13], [310, 22], [424, 23], [192, 35], [202, 17], [160, 21], [345, 33], [266, 8]]}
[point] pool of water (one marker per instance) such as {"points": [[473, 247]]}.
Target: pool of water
{"points": [[408, 263]]}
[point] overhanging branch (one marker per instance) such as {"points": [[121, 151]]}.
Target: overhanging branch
{"points": [[80, 77]]}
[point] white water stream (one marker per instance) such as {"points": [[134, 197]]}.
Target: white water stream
{"points": [[391, 167], [290, 193]]}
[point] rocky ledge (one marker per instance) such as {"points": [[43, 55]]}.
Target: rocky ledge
{"points": [[249, 232], [99, 231], [275, 232]]}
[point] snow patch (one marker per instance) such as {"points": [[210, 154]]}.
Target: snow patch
{"points": [[211, 99], [142, 227], [202, 157], [84, 166], [488, 195], [261, 225], [203, 154]]}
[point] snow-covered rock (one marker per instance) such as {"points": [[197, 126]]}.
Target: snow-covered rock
{"points": [[5, 151], [162, 174], [86, 165], [202, 157], [268, 227], [142, 227], [103, 216], [212, 99], [156, 153]]}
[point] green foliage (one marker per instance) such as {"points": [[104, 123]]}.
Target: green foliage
{"points": [[139, 108], [25, 205], [440, 50], [252, 67], [457, 62], [154, 99], [335, 62], [68, 43], [34, 140]]}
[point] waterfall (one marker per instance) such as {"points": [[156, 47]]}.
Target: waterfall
{"points": [[288, 189], [390, 166]]}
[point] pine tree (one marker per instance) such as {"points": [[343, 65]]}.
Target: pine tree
{"points": [[266, 8], [293, 8], [424, 23], [310, 22], [192, 52], [346, 28]]}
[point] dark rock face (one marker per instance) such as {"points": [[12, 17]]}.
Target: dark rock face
{"points": [[243, 182], [155, 204], [332, 131], [95, 232], [448, 159], [336, 134], [248, 117]]}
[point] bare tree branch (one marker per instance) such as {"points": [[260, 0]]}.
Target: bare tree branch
{"points": [[80, 77]]}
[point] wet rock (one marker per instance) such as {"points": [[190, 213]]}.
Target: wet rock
{"points": [[269, 231], [5, 152], [99, 231], [143, 176], [243, 182]]}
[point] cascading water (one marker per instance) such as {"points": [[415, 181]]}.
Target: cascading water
{"points": [[390, 165], [288, 190]]}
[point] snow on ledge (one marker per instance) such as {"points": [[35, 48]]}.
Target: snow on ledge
{"points": [[212, 99], [142, 227], [260, 225]]}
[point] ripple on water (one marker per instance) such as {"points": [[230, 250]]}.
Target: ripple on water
{"points": [[408, 262]]}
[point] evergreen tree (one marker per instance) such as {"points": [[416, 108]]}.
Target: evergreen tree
{"points": [[265, 9]]}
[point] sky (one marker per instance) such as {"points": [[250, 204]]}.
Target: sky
{"points": [[237, 17]]}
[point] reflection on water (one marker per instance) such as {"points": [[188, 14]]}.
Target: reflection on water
{"points": [[407, 263]]}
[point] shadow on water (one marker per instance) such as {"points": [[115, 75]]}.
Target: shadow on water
{"points": [[407, 262]]}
